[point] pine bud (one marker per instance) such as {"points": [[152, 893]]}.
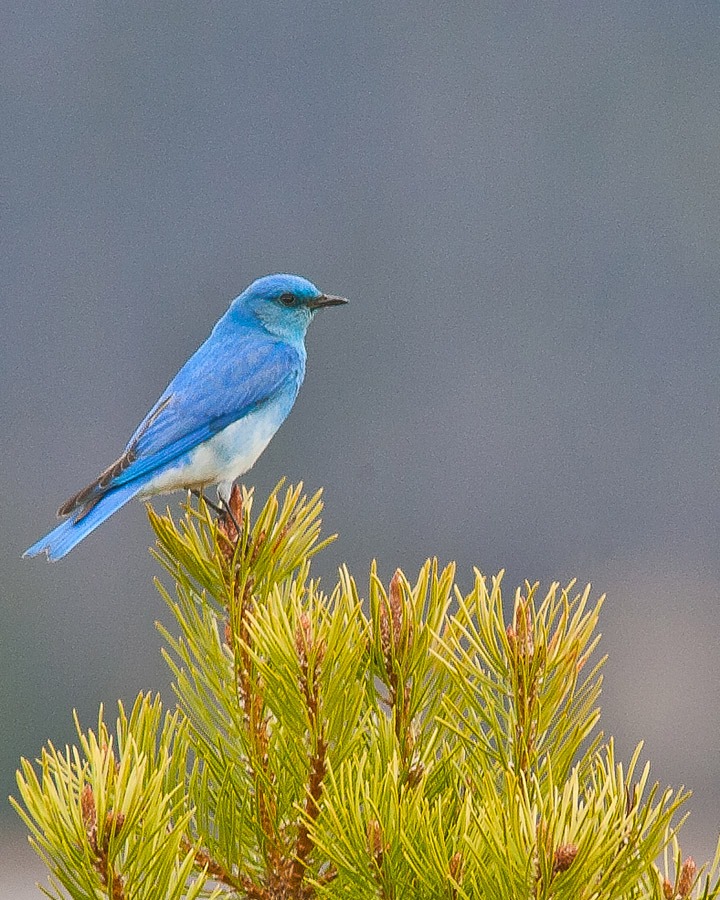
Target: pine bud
{"points": [[395, 601], [396, 630], [87, 808], [227, 522], [114, 821], [524, 629], [687, 878], [375, 841], [456, 866], [303, 639], [564, 857], [415, 773]]}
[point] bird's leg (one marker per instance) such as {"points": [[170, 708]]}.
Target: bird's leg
{"points": [[218, 510]]}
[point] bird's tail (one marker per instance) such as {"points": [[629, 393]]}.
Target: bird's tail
{"points": [[60, 541]]}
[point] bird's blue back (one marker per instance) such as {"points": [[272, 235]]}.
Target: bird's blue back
{"points": [[236, 370]]}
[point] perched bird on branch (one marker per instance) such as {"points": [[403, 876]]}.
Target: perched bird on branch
{"points": [[216, 416]]}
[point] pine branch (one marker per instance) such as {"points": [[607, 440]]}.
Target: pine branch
{"points": [[416, 746]]}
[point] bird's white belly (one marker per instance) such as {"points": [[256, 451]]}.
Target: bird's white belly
{"points": [[223, 457]]}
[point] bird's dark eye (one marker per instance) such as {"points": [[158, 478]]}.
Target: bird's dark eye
{"points": [[287, 299]]}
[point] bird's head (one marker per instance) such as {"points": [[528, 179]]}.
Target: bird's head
{"points": [[284, 304]]}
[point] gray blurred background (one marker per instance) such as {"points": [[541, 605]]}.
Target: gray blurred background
{"points": [[521, 201]]}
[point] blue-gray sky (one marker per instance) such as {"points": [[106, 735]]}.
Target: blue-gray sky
{"points": [[522, 202]]}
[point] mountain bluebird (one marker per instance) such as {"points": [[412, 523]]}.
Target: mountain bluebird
{"points": [[216, 416]]}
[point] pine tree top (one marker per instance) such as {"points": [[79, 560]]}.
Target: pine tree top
{"points": [[391, 741]]}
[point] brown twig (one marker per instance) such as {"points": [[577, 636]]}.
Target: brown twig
{"points": [[113, 823], [396, 634], [285, 868], [238, 638], [310, 656], [522, 651], [219, 873]]}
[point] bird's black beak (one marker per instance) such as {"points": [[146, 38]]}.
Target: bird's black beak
{"points": [[325, 300]]}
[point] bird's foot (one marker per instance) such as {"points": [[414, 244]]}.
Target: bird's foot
{"points": [[225, 511], [218, 510]]}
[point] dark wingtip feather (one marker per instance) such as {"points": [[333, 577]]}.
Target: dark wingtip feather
{"points": [[86, 499]]}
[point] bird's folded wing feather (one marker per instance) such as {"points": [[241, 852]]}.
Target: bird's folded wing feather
{"points": [[227, 378]]}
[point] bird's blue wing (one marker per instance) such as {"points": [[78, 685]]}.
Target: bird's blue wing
{"points": [[225, 380], [228, 377]]}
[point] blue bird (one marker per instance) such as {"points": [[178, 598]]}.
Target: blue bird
{"points": [[216, 416]]}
